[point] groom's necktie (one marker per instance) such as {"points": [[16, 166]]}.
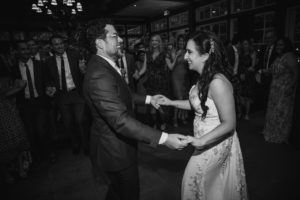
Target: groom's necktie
{"points": [[122, 69]]}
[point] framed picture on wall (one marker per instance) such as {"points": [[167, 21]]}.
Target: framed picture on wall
{"points": [[180, 19], [134, 29], [18, 35], [159, 25], [40, 36], [4, 36]]}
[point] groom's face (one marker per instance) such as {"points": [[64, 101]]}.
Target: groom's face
{"points": [[111, 42]]}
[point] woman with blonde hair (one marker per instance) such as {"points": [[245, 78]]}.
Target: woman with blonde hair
{"points": [[158, 81]]}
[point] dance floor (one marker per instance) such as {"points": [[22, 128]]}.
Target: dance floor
{"points": [[272, 171]]}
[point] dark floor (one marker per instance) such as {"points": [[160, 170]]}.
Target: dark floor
{"points": [[272, 171]]}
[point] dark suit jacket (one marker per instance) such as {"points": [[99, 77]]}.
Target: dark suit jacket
{"points": [[39, 79], [52, 70], [111, 104], [272, 57], [53, 75], [267, 78]]}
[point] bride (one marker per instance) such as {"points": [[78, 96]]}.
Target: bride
{"points": [[215, 171]]}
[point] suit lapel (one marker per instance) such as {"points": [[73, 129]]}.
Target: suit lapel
{"points": [[120, 80], [71, 63]]}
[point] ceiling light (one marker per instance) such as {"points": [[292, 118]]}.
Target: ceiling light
{"points": [[40, 3], [57, 8], [49, 12], [53, 2], [34, 7]]}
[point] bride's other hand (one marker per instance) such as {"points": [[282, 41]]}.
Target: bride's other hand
{"points": [[164, 101]]}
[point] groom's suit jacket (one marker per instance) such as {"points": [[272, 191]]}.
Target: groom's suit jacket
{"points": [[114, 131]]}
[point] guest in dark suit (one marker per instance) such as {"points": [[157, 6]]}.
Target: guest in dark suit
{"points": [[31, 101], [233, 56], [65, 83], [265, 77], [126, 62], [115, 131]]}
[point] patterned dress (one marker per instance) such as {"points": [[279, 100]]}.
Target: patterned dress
{"points": [[13, 139], [217, 172], [280, 108], [158, 74]]}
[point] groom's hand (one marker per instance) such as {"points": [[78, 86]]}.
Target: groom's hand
{"points": [[154, 101], [176, 141]]}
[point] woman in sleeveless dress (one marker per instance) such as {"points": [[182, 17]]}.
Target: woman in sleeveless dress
{"points": [[215, 171], [279, 116], [180, 81], [246, 71]]}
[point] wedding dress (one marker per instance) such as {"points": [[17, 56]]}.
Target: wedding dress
{"points": [[217, 172]]}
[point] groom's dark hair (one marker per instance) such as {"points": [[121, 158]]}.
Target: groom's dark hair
{"points": [[95, 30]]}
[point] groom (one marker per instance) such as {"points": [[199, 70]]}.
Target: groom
{"points": [[115, 131]]}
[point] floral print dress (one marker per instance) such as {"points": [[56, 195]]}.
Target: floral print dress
{"points": [[217, 172], [279, 116]]}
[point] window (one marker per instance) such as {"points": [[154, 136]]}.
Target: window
{"points": [[263, 23], [260, 3], [211, 11], [233, 28], [219, 28], [180, 19], [243, 5], [173, 35], [293, 24], [159, 25], [134, 29]]}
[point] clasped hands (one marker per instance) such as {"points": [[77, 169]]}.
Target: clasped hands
{"points": [[158, 100], [176, 141]]}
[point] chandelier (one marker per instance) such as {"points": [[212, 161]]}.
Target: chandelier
{"points": [[57, 7]]}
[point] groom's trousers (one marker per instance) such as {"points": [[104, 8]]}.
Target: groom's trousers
{"points": [[124, 184]]}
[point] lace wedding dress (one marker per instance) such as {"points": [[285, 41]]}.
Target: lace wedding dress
{"points": [[217, 172]]}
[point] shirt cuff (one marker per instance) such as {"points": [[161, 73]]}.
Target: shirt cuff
{"points": [[148, 99], [163, 138]]}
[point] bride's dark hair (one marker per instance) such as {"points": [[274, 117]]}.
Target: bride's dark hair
{"points": [[208, 42]]}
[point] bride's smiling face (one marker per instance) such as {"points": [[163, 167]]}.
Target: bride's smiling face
{"points": [[195, 60]]}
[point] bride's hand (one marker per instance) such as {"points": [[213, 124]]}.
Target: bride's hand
{"points": [[164, 101], [198, 143]]}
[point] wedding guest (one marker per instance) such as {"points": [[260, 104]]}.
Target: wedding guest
{"points": [[180, 80], [14, 144], [31, 101], [280, 108], [233, 55], [158, 80], [34, 50], [215, 170], [64, 84], [247, 63], [263, 76]]}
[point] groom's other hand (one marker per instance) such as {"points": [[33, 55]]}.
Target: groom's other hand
{"points": [[176, 141]]}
